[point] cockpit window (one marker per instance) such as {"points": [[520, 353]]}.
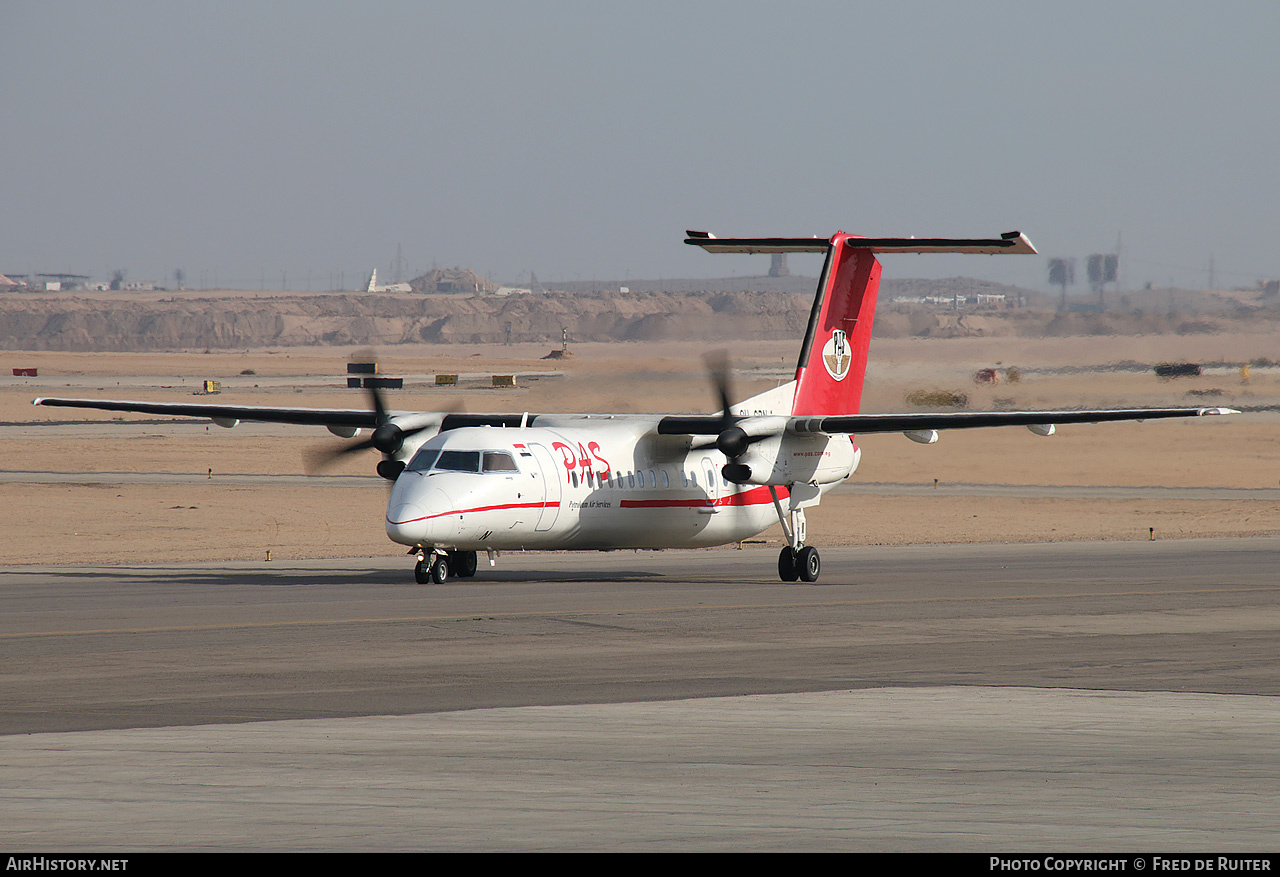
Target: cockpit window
{"points": [[458, 461], [423, 460], [499, 461], [436, 460]]}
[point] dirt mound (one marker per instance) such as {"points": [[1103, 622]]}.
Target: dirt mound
{"points": [[116, 323], [119, 322]]}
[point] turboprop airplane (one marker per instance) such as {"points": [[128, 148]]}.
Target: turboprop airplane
{"points": [[466, 483]]}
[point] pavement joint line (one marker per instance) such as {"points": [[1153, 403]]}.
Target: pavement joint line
{"points": [[462, 616]]}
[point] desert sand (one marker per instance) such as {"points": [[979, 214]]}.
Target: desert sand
{"points": [[63, 499]]}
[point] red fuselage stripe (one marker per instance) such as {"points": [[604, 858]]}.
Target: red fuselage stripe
{"points": [[487, 508], [755, 496]]}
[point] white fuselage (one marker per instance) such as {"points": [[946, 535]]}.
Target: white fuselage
{"points": [[597, 483]]}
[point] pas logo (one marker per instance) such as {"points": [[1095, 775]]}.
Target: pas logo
{"points": [[836, 356]]}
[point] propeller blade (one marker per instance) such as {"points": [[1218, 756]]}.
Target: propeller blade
{"points": [[315, 461], [733, 440], [378, 406], [388, 437], [719, 371]]}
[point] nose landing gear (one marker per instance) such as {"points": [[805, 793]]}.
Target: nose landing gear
{"points": [[432, 569], [436, 567]]}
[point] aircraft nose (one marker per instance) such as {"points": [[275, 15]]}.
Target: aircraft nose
{"points": [[419, 518]]}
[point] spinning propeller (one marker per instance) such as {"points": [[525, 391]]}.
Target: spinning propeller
{"points": [[388, 437], [732, 440]]}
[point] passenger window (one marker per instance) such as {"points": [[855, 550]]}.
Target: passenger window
{"points": [[666, 482], [684, 479], [631, 479]]}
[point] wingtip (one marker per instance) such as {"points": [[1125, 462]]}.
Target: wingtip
{"points": [[1022, 244]]}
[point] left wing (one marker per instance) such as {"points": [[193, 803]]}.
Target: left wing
{"points": [[865, 424]]}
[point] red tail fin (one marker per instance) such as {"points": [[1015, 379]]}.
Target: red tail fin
{"points": [[833, 360]]}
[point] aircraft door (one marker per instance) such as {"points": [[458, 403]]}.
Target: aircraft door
{"points": [[548, 472], [712, 478]]}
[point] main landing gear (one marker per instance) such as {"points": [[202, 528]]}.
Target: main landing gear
{"points": [[797, 560], [436, 567], [803, 564]]}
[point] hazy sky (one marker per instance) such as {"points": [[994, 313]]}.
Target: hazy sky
{"points": [[247, 140]]}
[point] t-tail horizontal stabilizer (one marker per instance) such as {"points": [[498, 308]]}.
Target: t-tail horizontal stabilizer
{"points": [[1011, 242]]}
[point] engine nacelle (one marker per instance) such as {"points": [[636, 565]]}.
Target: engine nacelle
{"points": [[390, 469], [788, 459]]}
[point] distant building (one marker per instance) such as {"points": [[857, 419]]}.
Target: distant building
{"points": [[47, 282], [452, 281], [955, 301], [58, 282]]}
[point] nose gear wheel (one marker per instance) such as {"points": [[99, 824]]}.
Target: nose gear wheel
{"points": [[438, 566]]}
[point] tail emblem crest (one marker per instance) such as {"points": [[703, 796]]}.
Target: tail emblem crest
{"points": [[836, 356]]}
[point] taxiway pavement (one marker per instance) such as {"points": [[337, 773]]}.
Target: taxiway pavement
{"points": [[1101, 696]]}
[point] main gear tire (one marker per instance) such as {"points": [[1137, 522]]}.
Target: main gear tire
{"points": [[464, 563], [809, 564], [788, 569]]}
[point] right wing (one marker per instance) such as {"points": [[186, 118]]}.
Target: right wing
{"points": [[228, 415], [334, 418]]}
